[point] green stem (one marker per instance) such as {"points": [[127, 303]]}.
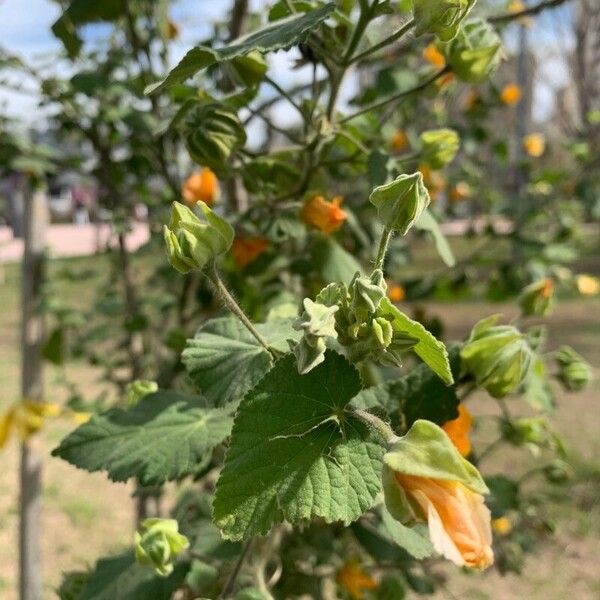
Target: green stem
{"points": [[366, 12], [377, 105], [386, 236], [284, 94], [230, 583], [386, 42], [376, 423], [229, 301]]}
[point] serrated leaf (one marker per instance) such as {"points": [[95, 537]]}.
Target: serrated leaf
{"points": [[279, 35], [428, 223], [225, 360], [120, 576], [162, 438], [295, 454], [430, 350]]}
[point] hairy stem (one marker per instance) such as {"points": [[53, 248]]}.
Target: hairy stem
{"points": [[376, 423], [229, 301], [386, 236]]}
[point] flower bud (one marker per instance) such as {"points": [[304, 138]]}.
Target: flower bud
{"points": [[537, 298], [573, 371], [316, 322], [498, 356], [475, 52], [159, 544], [401, 202], [439, 147], [441, 17], [138, 389], [365, 295], [193, 243], [425, 478]]}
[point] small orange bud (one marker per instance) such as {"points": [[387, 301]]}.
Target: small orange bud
{"points": [[517, 6], [511, 94], [434, 57], [324, 215], [201, 185], [502, 525], [396, 293], [399, 141], [460, 191], [458, 430], [245, 250], [355, 580], [445, 80], [534, 144]]}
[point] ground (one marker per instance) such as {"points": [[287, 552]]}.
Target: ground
{"points": [[86, 516]]}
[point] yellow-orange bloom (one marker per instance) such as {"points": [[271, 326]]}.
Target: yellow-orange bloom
{"points": [[201, 185], [534, 144], [587, 285], [445, 80], [396, 293], [26, 418], [458, 430], [457, 518], [502, 525], [324, 215], [434, 57], [511, 94], [517, 6], [434, 181], [460, 191], [355, 580], [399, 141], [245, 250]]}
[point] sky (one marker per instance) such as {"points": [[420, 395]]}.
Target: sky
{"points": [[25, 30]]}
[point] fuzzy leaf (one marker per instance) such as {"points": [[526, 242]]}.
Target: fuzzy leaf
{"points": [[224, 360], [295, 454], [160, 439], [279, 35]]}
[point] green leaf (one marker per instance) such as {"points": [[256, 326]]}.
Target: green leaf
{"points": [[120, 576], [160, 439], [419, 395], [225, 360], [504, 495], [295, 454], [414, 540], [279, 35], [430, 350], [333, 262], [428, 223]]}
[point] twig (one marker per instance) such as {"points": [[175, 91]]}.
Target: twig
{"points": [[385, 42], [526, 12], [230, 583]]}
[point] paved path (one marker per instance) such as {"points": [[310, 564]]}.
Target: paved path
{"points": [[72, 240]]}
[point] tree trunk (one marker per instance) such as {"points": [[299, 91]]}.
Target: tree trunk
{"points": [[30, 578]]}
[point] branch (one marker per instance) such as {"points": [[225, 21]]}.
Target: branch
{"points": [[526, 12]]}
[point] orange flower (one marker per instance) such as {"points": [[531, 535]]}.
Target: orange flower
{"points": [[587, 285], [324, 215], [460, 191], [534, 144], [502, 525], [511, 94], [399, 141], [354, 580], [472, 100], [445, 80], [457, 518], [434, 57], [458, 430], [201, 185], [434, 181], [396, 293], [245, 250]]}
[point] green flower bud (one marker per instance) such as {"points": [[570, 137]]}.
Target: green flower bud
{"points": [[365, 295], [498, 356], [316, 322], [138, 389], [537, 298], [191, 242], [401, 202], [439, 147], [159, 544], [441, 17], [574, 372], [475, 52], [383, 331]]}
